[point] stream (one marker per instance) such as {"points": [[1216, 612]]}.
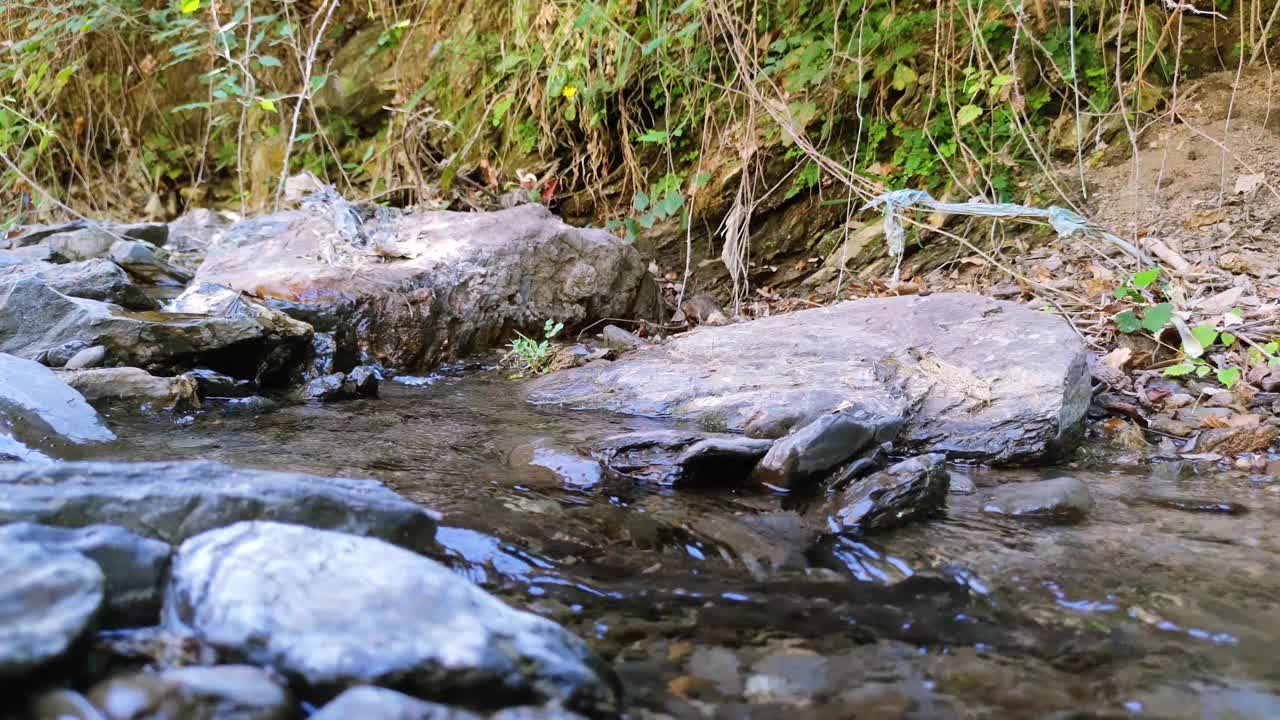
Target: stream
{"points": [[726, 605]]}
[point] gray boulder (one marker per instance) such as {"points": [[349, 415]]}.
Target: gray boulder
{"points": [[40, 414], [95, 279], [134, 566], [1063, 499], [48, 600], [681, 458], [375, 703], [35, 318], [221, 692], [902, 493], [147, 262], [972, 377], [427, 287], [173, 501], [332, 610], [84, 243], [811, 452]]}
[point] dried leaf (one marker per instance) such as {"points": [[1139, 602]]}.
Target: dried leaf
{"points": [[1116, 359], [1206, 217], [1246, 184]]}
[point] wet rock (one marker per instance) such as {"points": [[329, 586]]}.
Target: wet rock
{"points": [[1195, 505], [621, 340], [457, 282], [90, 279], [334, 610], [789, 678], [719, 666], [221, 692], [48, 600], [134, 567], [375, 703], [87, 358], [676, 457], [1063, 499], [134, 387], [562, 465], [810, 453], [215, 384], [257, 343], [252, 405], [532, 712], [172, 501], [362, 381], [154, 647], [911, 490], [59, 356], [962, 485], [39, 413], [976, 378]]}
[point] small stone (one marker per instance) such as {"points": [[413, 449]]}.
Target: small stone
{"points": [[87, 358], [1165, 423], [621, 340], [134, 567], [375, 703], [48, 601], [910, 490], [233, 692], [1178, 400], [962, 485], [1063, 499]]}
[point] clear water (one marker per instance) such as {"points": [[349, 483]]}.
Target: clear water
{"points": [[727, 605]]}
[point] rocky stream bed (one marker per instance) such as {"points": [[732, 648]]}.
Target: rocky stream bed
{"points": [[268, 470]]}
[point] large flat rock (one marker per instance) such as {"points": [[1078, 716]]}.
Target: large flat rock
{"points": [[331, 611], [425, 287], [975, 378], [173, 501]]}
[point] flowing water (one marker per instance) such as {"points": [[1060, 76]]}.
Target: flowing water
{"points": [[728, 605]]}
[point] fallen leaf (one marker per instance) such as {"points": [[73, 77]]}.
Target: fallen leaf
{"points": [[1206, 217], [1116, 359], [1248, 183], [1221, 302]]}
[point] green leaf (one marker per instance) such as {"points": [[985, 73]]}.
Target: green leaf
{"points": [[671, 203], [652, 136], [1000, 81], [500, 110], [1227, 339], [968, 114], [1127, 322], [1229, 376], [640, 202], [1124, 292], [190, 6], [267, 105], [1156, 317], [318, 82], [1145, 278], [1179, 370], [903, 77], [1202, 370], [269, 61], [1206, 334]]}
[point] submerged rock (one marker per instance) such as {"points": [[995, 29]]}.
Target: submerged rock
{"points": [[1064, 499], [430, 286], [375, 703], [360, 382], [134, 567], [911, 490], [335, 610], [679, 457], [259, 343], [976, 378], [172, 501], [39, 413], [133, 386], [48, 600], [230, 692], [562, 465]]}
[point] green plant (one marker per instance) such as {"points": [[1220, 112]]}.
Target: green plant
{"points": [[531, 356], [1139, 290]]}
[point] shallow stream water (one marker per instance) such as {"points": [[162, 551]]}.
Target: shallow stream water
{"points": [[727, 605]]}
